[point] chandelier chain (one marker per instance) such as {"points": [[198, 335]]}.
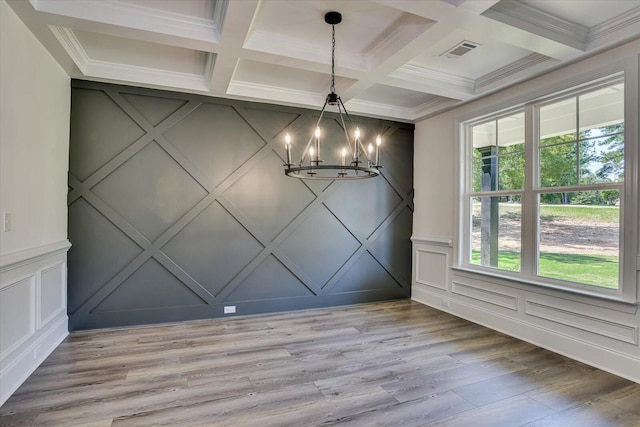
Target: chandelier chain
{"points": [[333, 59]]}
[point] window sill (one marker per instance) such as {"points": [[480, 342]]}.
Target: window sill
{"points": [[540, 285]]}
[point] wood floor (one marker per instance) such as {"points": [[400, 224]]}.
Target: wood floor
{"points": [[386, 364]]}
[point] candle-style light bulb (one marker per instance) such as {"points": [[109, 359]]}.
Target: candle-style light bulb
{"points": [[378, 143], [344, 156], [378, 140], [311, 153], [356, 148], [287, 145], [370, 148], [317, 143]]}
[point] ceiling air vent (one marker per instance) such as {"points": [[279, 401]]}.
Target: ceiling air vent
{"points": [[460, 49]]}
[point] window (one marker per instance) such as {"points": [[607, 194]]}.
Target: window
{"points": [[544, 190]]}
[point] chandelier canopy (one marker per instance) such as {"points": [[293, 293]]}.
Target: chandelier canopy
{"points": [[356, 161]]}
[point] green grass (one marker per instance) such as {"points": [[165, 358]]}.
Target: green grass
{"points": [[581, 212], [563, 212], [599, 270]]}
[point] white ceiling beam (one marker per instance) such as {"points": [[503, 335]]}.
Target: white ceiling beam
{"points": [[545, 25], [129, 15], [237, 25], [469, 17]]}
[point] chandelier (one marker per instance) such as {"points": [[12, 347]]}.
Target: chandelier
{"points": [[356, 161]]}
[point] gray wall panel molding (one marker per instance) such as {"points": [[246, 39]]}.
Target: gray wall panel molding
{"points": [[179, 206]]}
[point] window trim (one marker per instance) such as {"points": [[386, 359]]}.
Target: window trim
{"points": [[529, 102]]}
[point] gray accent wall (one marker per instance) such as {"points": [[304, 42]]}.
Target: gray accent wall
{"points": [[179, 206]]}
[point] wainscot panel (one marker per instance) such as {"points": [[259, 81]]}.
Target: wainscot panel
{"points": [[601, 333], [33, 318]]}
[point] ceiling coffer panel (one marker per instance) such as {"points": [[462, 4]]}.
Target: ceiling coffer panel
{"points": [[438, 53]]}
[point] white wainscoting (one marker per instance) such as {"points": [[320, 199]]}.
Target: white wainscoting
{"points": [[430, 269], [33, 311], [603, 334]]}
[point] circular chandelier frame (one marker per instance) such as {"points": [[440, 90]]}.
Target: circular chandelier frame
{"points": [[360, 165]]}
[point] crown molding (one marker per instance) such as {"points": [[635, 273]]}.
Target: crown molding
{"points": [[307, 99], [72, 46], [143, 18], [269, 93], [149, 76], [516, 14], [370, 108], [464, 84], [498, 77], [433, 106], [616, 25]]}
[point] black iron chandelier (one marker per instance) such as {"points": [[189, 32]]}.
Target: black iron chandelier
{"points": [[357, 162]]}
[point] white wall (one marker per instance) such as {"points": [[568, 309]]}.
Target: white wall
{"points": [[602, 333], [34, 141]]}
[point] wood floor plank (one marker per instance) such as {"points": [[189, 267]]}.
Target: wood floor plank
{"points": [[626, 398], [523, 381], [381, 364], [423, 384], [328, 411], [577, 389], [225, 408], [596, 413], [514, 411], [418, 412]]}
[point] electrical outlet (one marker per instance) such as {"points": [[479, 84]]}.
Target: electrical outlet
{"points": [[6, 223], [229, 309]]}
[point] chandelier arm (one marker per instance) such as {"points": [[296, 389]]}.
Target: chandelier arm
{"points": [[364, 150], [344, 127], [306, 149]]}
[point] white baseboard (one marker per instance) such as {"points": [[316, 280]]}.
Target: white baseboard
{"points": [[592, 354]]}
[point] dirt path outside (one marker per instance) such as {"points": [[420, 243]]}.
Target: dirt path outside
{"points": [[561, 236]]}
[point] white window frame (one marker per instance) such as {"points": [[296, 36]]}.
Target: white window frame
{"points": [[629, 258]]}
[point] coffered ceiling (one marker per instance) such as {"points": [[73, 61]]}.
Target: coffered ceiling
{"points": [[392, 57]]}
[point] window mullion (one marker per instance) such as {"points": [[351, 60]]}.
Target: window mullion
{"points": [[529, 197], [578, 153]]}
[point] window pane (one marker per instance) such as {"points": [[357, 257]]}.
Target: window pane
{"points": [[558, 165], [495, 232], [601, 117], [588, 162], [511, 130], [511, 170], [558, 122], [484, 171], [476, 167], [601, 109], [604, 159], [498, 154], [579, 237], [511, 152], [484, 135]]}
